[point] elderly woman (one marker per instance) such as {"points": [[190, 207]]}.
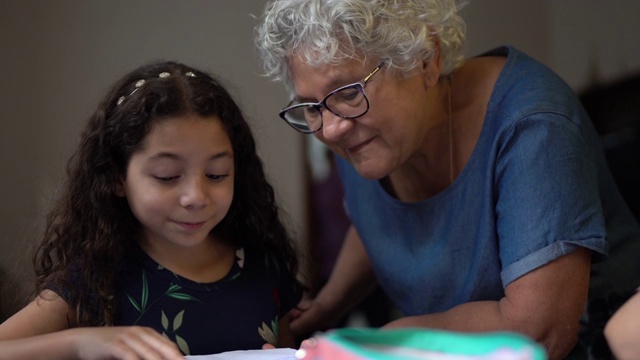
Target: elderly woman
{"points": [[478, 191]]}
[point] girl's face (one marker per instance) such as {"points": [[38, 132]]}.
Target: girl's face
{"points": [[179, 185], [383, 139]]}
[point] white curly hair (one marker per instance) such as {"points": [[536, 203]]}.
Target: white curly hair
{"points": [[402, 32]]}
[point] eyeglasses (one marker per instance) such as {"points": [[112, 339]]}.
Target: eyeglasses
{"points": [[347, 102]]}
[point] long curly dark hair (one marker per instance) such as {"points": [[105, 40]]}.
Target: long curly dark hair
{"points": [[90, 228]]}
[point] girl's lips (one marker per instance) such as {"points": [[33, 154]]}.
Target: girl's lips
{"points": [[191, 226]]}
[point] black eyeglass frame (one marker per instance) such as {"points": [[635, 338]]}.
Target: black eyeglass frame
{"points": [[323, 104]]}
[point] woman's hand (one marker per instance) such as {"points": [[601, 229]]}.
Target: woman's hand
{"points": [[309, 316], [351, 280], [127, 343]]}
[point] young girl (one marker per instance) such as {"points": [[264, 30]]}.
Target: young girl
{"points": [[167, 239]]}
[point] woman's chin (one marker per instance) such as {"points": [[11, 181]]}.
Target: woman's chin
{"points": [[370, 170]]}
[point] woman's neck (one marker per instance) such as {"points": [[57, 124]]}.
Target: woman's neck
{"points": [[448, 147], [431, 168]]}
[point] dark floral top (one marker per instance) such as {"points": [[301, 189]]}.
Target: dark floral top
{"points": [[239, 312]]}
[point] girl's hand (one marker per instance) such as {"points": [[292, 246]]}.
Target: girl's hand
{"points": [[127, 343]]}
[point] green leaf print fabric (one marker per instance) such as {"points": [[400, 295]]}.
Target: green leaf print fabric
{"points": [[239, 312]]}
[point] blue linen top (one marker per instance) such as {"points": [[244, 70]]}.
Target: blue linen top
{"points": [[535, 188]]}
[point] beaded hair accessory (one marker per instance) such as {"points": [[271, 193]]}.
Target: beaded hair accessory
{"points": [[139, 83]]}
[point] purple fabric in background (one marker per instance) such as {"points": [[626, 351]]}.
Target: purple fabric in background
{"points": [[329, 220]]}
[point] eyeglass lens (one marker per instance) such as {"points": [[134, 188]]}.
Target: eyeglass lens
{"points": [[348, 102]]}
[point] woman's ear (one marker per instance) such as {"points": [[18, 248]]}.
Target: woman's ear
{"points": [[431, 68]]}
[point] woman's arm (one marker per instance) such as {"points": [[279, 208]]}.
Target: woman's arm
{"points": [[545, 304], [285, 336], [623, 330], [41, 331], [351, 280]]}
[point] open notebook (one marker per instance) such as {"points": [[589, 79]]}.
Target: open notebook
{"points": [[271, 354]]}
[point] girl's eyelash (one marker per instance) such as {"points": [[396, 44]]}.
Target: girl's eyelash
{"points": [[213, 177], [216, 177], [165, 178]]}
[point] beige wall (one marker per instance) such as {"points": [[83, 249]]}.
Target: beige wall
{"points": [[58, 58], [584, 41]]}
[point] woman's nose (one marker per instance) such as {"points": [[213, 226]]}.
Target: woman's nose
{"points": [[335, 127]]}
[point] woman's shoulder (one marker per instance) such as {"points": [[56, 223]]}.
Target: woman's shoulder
{"points": [[514, 65], [490, 64], [525, 85], [475, 81], [472, 87]]}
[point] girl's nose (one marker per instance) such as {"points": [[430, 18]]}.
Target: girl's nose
{"points": [[194, 194]]}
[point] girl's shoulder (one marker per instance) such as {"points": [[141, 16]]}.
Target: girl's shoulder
{"points": [[260, 260]]}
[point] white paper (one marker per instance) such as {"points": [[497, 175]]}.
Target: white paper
{"points": [[268, 354]]}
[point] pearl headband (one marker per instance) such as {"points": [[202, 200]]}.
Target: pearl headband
{"points": [[141, 82]]}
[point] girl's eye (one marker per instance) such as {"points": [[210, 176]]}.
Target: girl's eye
{"points": [[214, 177], [165, 178]]}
